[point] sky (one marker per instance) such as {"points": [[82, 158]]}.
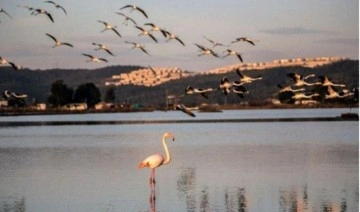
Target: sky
{"points": [[281, 28]]}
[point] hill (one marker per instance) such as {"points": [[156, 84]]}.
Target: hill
{"points": [[37, 83]]}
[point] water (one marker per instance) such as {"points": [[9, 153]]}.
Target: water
{"points": [[276, 166]]}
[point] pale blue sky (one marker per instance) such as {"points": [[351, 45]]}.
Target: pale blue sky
{"points": [[283, 28]]}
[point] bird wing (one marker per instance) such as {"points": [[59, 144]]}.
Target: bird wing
{"points": [[116, 32], [152, 37], [108, 51], [87, 55], [50, 17], [67, 44], [52, 37], [182, 108], [63, 9], [200, 47], [3, 11], [142, 11], [250, 41], [126, 6], [178, 39], [142, 49], [239, 56], [51, 2], [103, 59]]}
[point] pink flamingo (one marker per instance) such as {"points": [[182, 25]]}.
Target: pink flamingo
{"points": [[156, 160]]}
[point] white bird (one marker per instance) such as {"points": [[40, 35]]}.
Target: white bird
{"points": [[300, 96], [247, 79], [138, 46], [94, 59], [3, 61], [171, 36], [57, 42], [102, 47], [232, 52], [6, 13], [289, 89], [109, 27], [42, 11], [324, 81], [134, 7], [332, 94], [215, 44], [184, 109], [145, 32], [156, 160], [299, 80], [203, 92], [127, 19], [57, 6], [244, 39], [206, 51], [225, 85], [240, 90]]}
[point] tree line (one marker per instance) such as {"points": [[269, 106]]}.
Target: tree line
{"points": [[87, 93]]}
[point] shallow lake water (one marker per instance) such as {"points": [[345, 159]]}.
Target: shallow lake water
{"points": [[260, 166]]}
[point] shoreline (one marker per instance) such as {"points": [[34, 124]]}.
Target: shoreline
{"points": [[351, 117]]}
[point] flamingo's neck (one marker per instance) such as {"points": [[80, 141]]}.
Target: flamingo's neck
{"points": [[168, 157]]}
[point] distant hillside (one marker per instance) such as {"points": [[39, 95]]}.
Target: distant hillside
{"points": [[37, 83]]}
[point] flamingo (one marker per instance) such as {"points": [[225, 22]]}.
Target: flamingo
{"points": [[145, 32], [325, 81], [156, 160], [232, 52], [299, 80], [247, 79], [95, 59], [41, 11], [127, 19], [171, 36], [214, 42], [134, 7], [109, 27], [57, 42], [245, 40], [58, 6], [138, 46], [185, 109], [102, 47], [206, 51], [203, 92]]}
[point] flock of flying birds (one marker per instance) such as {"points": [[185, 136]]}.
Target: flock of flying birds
{"points": [[148, 29], [294, 92]]}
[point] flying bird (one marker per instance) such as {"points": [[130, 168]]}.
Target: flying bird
{"points": [[6, 13], [57, 6], [171, 36], [332, 94], [299, 80], [4, 61], [244, 39], [215, 44], [102, 47], [145, 32], [232, 52], [184, 109], [94, 59], [156, 160], [325, 81], [134, 7], [57, 42], [42, 11], [109, 27], [247, 79], [225, 85], [203, 92], [127, 19], [138, 46], [206, 51], [240, 91], [288, 89]]}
